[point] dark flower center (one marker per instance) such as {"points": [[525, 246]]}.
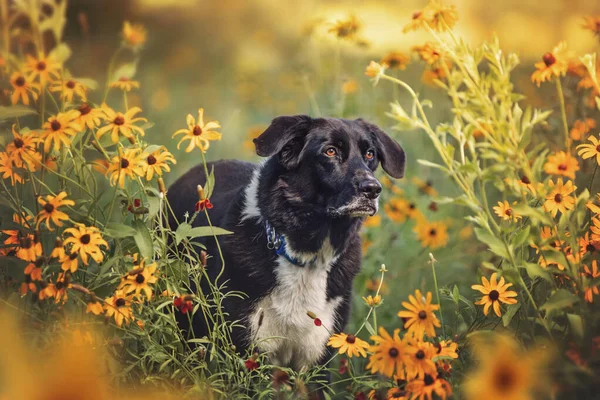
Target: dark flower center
{"points": [[412, 206], [140, 278], [416, 14], [494, 295], [20, 81], [40, 261], [71, 84], [398, 394], [119, 120], [508, 212], [123, 79], [428, 380], [439, 348], [504, 380], [120, 302], [85, 239], [549, 59], [26, 243], [393, 352], [48, 208], [72, 256], [151, 160], [590, 247], [85, 109], [432, 232], [420, 355], [18, 143], [422, 315], [55, 125], [525, 180], [558, 198], [41, 66], [350, 339], [124, 163], [562, 167], [197, 131], [59, 285]]}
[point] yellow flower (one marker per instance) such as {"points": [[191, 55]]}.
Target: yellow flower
{"points": [[87, 241], [417, 21], [446, 348], [199, 134], [119, 123], [593, 206], [396, 209], [45, 69], [428, 53], [435, 15], [429, 385], [581, 127], [50, 211], [434, 73], [396, 60], [13, 241], [394, 393], [348, 87], [23, 88], [592, 24], [346, 29], [34, 269], [349, 345], [155, 162], [389, 354], [375, 71], [590, 150], [372, 301], [421, 355], [505, 211], [69, 262], [23, 150], [373, 221], [140, 279], [119, 307], [590, 289], [553, 64], [494, 293], [425, 187], [94, 307], [125, 84], [134, 34], [68, 88], [559, 198], [88, 116], [7, 169], [60, 129], [128, 164], [466, 232], [562, 163], [30, 248], [432, 234], [420, 318]]}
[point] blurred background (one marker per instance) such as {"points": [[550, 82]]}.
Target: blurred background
{"points": [[246, 62]]}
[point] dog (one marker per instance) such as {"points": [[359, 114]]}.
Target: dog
{"points": [[295, 218]]}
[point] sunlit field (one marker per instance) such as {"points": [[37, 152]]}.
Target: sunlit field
{"points": [[479, 275]]}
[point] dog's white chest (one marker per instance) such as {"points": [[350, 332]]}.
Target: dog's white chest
{"points": [[285, 331]]}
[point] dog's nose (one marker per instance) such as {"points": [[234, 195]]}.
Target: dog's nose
{"points": [[370, 187]]}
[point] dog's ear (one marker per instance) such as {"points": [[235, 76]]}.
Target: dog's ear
{"points": [[393, 159], [285, 136]]}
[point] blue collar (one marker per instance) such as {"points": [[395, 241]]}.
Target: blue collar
{"points": [[276, 241]]}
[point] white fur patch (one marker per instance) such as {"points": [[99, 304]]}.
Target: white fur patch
{"points": [[286, 333], [251, 209]]}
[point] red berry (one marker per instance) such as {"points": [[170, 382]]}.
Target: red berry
{"points": [[317, 322]]}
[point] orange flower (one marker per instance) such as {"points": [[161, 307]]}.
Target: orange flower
{"points": [[591, 290], [23, 150], [134, 34], [562, 163], [592, 24], [23, 88], [420, 317], [553, 64], [581, 127], [396, 60], [590, 150], [7, 169], [505, 211], [560, 199], [87, 241], [428, 53], [198, 133], [494, 292], [50, 211], [60, 129], [45, 69], [121, 124]]}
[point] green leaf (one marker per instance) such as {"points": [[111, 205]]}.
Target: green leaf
{"points": [[536, 271], [116, 230], [124, 71], [60, 53], [496, 245], [202, 231], [16, 111], [576, 325], [182, 232], [370, 328], [521, 237], [455, 294], [209, 187], [432, 165], [559, 300], [511, 310], [143, 239]]}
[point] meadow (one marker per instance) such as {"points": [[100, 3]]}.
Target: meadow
{"points": [[479, 276]]}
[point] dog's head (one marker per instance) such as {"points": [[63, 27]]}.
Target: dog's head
{"points": [[329, 163]]}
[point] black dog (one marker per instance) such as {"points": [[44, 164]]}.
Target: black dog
{"points": [[295, 219]]}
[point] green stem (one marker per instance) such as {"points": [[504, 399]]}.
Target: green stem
{"points": [[437, 293], [563, 113]]}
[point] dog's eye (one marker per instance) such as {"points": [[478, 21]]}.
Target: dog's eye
{"points": [[369, 155], [331, 152]]}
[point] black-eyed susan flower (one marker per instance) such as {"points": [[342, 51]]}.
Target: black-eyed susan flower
{"points": [[60, 129], [526, 183], [69, 262], [389, 354], [440, 17], [396, 209], [128, 164], [494, 293], [44, 69], [27, 286], [590, 150], [428, 386], [30, 247], [592, 24], [428, 52], [198, 133], [156, 161], [420, 354], [446, 348], [505, 211], [88, 116], [348, 344], [375, 71], [121, 124], [581, 127], [34, 269], [23, 87], [86, 240], [14, 236], [125, 84], [9, 169], [134, 35], [348, 87], [588, 245], [23, 150], [57, 290], [594, 205], [559, 198], [417, 21], [95, 307], [139, 280], [425, 187], [50, 210], [395, 393], [553, 64], [561, 163], [69, 88], [419, 316], [118, 306], [372, 301], [346, 29], [431, 234], [591, 273], [372, 221], [396, 60]]}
